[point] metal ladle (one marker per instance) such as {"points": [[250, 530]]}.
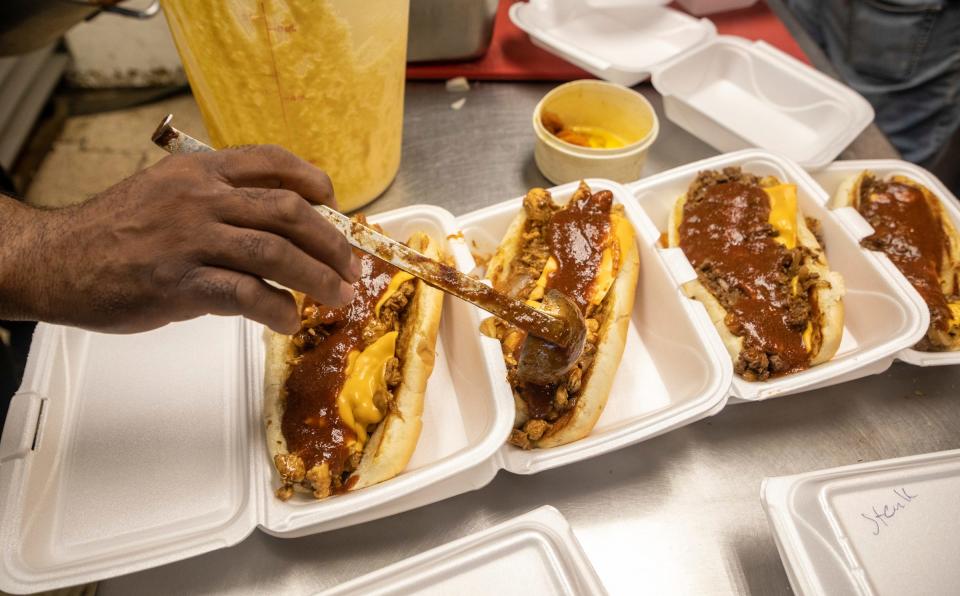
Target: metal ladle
{"points": [[555, 336]]}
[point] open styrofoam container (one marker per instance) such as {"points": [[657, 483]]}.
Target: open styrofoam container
{"points": [[674, 369], [727, 91], [884, 527], [734, 94], [883, 314], [619, 41], [120, 453], [535, 553], [831, 177]]}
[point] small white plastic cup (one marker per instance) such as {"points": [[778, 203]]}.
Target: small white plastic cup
{"points": [[615, 108]]}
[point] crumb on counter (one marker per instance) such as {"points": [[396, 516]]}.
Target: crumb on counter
{"points": [[458, 85]]}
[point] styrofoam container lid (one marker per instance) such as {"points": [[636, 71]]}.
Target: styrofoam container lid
{"points": [[674, 368], [619, 41], [727, 91], [121, 453], [885, 527], [535, 553], [831, 177], [883, 314]]}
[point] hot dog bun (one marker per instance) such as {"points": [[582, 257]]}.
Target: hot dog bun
{"points": [[825, 291], [511, 270], [392, 442], [928, 237]]}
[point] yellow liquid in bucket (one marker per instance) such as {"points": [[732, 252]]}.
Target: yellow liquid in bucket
{"points": [[321, 78]]}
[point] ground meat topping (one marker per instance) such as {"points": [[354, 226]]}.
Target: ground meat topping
{"points": [[319, 441], [543, 406], [290, 467], [726, 235], [525, 269], [909, 231]]}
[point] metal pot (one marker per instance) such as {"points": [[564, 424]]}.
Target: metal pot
{"points": [[27, 25], [450, 29]]}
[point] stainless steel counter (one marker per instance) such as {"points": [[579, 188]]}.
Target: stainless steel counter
{"points": [[678, 514]]}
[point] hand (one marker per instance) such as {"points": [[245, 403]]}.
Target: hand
{"points": [[191, 235]]}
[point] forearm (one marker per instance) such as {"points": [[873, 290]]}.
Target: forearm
{"points": [[188, 236], [23, 267]]}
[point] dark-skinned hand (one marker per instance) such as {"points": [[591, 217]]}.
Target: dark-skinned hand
{"points": [[191, 235]]}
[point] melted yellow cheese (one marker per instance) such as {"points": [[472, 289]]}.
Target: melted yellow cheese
{"points": [[366, 381], [783, 213], [537, 294], [610, 259], [954, 313], [395, 282]]}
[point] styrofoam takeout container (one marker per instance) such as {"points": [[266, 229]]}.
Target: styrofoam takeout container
{"points": [[120, 453], [727, 91], [674, 369], [735, 94], [831, 177], [535, 553], [621, 42], [883, 314], [885, 527]]}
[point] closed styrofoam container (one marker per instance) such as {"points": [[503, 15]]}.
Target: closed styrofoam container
{"points": [[674, 368], [735, 94], [730, 92], [831, 177], [121, 453], [884, 527], [535, 553], [883, 314]]}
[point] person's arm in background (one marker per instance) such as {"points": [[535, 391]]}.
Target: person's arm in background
{"points": [[191, 235]]}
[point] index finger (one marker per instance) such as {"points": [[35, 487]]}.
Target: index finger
{"points": [[271, 166]]}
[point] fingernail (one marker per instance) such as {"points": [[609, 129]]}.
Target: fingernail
{"points": [[346, 292], [293, 326], [355, 267], [288, 325]]}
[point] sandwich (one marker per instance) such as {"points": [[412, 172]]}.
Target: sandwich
{"points": [[910, 227], [761, 272], [344, 395], [585, 250]]}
